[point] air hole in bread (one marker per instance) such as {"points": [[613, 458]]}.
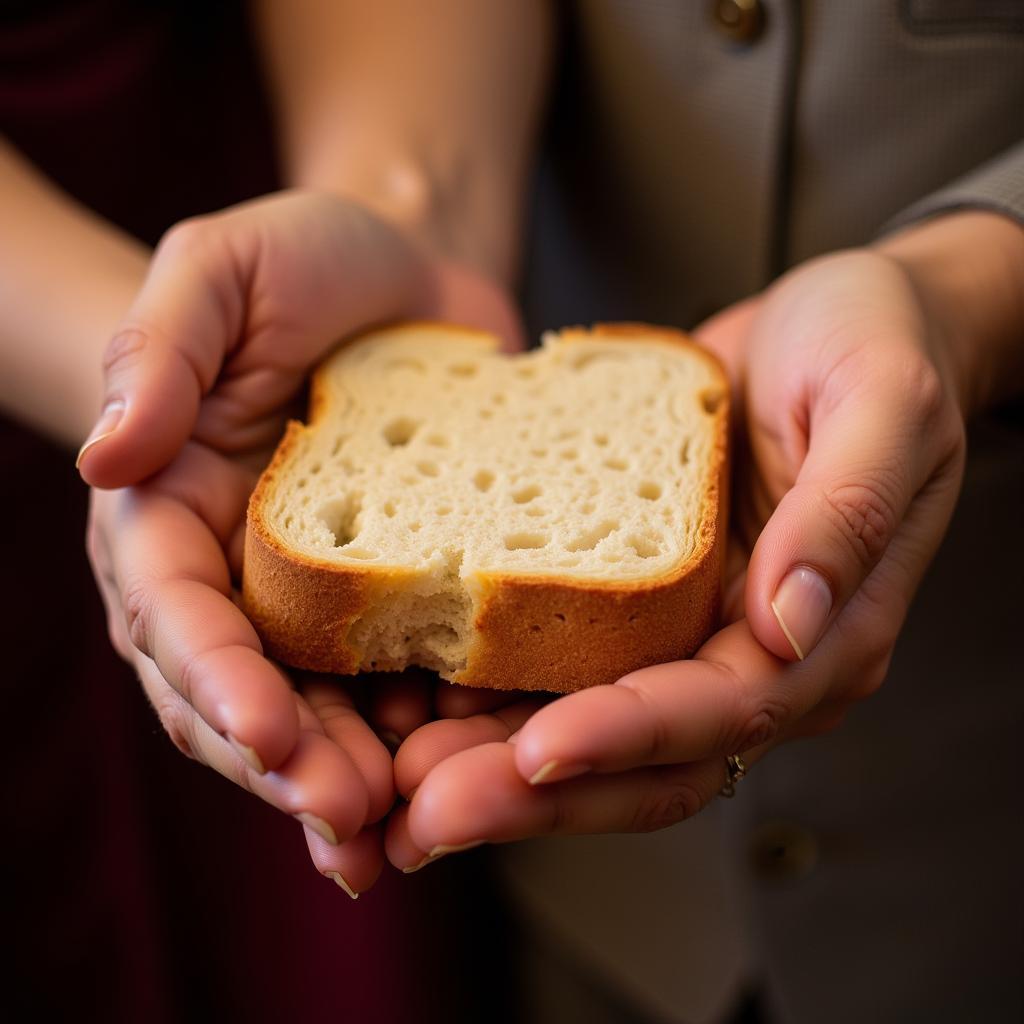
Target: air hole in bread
{"points": [[526, 372], [339, 515], [525, 494], [302, 482], [428, 467], [400, 431], [535, 510], [315, 468], [616, 463], [487, 414], [522, 541], [650, 490], [538, 453], [437, 440], [407, 364], [589, 539], [535, 628], [389, 509], [569, 453], [684, 452], [415, 527], [444, 510], [463, 369], [498, 398], [710, 401], [483, 480], [643, 546], [587, 507], [336, 447], [601, 440], [559, 616]]}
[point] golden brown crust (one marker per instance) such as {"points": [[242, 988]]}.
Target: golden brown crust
{"points": [[531, 632]]}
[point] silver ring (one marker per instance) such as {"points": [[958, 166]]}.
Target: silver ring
{"points": [[735, 770]]}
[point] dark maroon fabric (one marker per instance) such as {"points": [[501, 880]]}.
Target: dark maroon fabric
{"points": [[143, 887]]}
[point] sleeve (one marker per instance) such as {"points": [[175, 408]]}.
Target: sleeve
{"points": [[997, 185]]}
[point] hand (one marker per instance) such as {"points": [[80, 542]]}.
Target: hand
{"points": [[848, 458], [235, 311]]}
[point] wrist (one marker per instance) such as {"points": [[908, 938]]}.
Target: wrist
{"points": [[967, 269], [450, 212]]}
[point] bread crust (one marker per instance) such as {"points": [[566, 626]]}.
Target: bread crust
{"points": [[530, 632]]}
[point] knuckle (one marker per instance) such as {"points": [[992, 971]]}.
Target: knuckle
{"points": [[176, 721], [864, 517], [755, 727], [137, 602], [124, 349], [668, 803], [187, 239], [921, 390]]}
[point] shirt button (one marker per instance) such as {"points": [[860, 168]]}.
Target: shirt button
{"points": [[782, 852], [741, 21]]}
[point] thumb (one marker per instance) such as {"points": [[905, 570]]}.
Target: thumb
{"points": [[155, 377], [868, 455]]}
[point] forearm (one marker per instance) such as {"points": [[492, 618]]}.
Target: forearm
{"points": [[66, 277], [968, 268], [427, 112]]}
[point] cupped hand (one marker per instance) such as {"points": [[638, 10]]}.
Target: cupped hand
{"points": [[848, 457], [200, 378]]}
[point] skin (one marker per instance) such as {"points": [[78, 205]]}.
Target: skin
{"points": [[417, 214]]}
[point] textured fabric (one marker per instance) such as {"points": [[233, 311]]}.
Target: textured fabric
{"points": [[682, 173]]}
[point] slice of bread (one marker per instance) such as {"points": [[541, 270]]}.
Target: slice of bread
{"points": [[545, 521]]}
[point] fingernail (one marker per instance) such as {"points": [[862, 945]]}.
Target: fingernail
{"points": [[107, 423], [555, 771], [802, 605], [319, 826], [422, 864], [440, 851], [247, 754], [390, 739], [342, 883]]}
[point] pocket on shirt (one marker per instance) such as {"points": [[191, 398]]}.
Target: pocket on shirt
{"points": [[939, 17]]}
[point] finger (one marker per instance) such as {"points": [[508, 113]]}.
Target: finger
{"points": [[479, 795], [174, 589], [318, 784], [399, 847], [873, 442], [342, 724], [354, 866], [732, 696], [436, 741], [165, 356]]}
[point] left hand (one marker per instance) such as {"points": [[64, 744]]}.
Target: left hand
{"points": [[848, 452]]}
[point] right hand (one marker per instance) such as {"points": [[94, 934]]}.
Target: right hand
{"points": [[236, 310]]}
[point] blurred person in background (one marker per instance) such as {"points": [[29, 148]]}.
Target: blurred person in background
{"points": [[694, 154]]}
